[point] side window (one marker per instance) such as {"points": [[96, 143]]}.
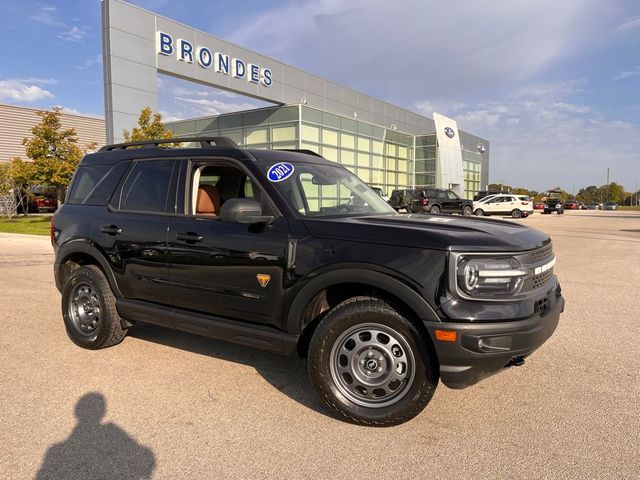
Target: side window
{"points": [[213, 185], [147, 186], [452, 196], [85, 180]]}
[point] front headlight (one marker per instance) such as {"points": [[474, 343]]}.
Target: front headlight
{"points": [[489, 277]]}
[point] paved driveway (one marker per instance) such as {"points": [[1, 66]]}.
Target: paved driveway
{"points": [[165, 404]]}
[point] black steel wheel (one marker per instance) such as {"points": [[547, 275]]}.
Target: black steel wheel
{"points": [[89, 309], [370, 364]]}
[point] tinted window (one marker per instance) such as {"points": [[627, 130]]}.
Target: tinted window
{"points": [[452, 196], [147, 186], [84, 181]]}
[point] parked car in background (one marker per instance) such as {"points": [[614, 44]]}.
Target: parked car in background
{"points": [[594, 206], [45, 203], [553, 203], [400, 199], [611, 206], [516, 206], [538, 205], [430, 200], [571, 205], [483, 193], [581, 206], [380, 192]]}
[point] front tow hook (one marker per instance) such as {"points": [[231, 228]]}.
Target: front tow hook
{"points": [[515, 362]]}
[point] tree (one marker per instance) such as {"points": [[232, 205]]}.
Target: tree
{"points": [[24, 175], [54, 151], [8, 201], [614, 192], [148, 128]]}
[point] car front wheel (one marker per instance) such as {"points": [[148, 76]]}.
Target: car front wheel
{"points": [[479, 212], [370, 365]]}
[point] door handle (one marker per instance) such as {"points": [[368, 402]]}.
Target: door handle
{"points": [[189, 237], [111, 229]]}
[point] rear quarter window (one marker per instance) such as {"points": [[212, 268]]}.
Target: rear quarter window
{"points": [[85, 180]]}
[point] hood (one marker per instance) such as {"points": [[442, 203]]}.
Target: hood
{"points": [[442, 232]]}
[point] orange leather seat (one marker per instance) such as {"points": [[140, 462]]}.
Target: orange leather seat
{"points": [[208, 201]]}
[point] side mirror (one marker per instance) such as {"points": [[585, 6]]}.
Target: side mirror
{"points": [[243, 210]]}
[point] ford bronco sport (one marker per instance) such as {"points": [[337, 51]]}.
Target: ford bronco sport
{"points": [[289, 252]]}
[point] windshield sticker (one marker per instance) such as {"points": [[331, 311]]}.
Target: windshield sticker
{"points": [[280, 171]]}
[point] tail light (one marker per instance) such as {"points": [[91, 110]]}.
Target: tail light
{"points": [[425, 201]]}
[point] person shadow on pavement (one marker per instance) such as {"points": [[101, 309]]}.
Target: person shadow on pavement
{"points": [[96, 450]]}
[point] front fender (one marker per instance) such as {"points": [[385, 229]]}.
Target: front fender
{"points": [[363, 276]]}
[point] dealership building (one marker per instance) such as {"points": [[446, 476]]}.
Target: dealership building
{"points": [[384, 144]]}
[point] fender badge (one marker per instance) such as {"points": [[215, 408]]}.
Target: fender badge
{"points": [[263, 279]]}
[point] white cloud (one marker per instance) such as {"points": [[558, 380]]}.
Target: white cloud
{"points": [[419, 46], [627, 74], [22, 91], [171, 117], [630, 24], [91, 62], [207, 106], [47, 15], [74, 34], [542, 141], [75, 111]]}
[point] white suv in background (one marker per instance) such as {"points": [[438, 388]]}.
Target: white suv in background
{"points": [[516, 206]]}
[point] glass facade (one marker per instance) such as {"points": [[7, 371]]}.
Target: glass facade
{"points": [[381, 157]]}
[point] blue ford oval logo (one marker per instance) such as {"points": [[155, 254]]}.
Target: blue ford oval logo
{"points": [[280, 171], [448, 131]]}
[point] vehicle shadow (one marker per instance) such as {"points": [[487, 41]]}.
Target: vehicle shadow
{"points": [[287, 374], [95, 449]]}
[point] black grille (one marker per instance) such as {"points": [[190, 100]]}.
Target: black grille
{"points": [[541, 279], [532, 260], [539, 255]]}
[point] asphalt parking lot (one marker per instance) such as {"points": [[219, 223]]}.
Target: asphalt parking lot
{"points": [[181, 406]]}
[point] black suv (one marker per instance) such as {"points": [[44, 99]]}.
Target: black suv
{"points": [[289, 252], [430, 200]]}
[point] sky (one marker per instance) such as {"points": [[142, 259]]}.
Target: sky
{"points": [[553, 85]]}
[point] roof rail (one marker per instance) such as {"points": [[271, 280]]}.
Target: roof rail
{"points": [[301, 150], [205, 142]]}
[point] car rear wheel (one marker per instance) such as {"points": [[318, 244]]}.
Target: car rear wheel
{"points": [[370, 365], [479, 212], [435, 209], [89, 309], [467, 210], [516, 213]]}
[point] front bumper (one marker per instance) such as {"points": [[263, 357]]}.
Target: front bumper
{"points": [[483, 349]]}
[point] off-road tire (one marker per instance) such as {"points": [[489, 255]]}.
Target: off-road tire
{"points": [[108, 329], [369, 313]]}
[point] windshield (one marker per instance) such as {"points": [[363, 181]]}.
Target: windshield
{"points": [[324, 190]]}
